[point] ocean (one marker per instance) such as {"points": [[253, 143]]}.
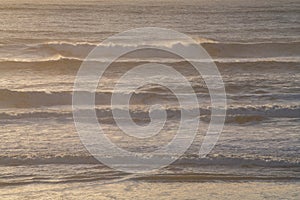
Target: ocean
{"points": [[255, 46]]}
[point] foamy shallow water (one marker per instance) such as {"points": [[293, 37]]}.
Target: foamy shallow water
{"points": [[154, 190]]}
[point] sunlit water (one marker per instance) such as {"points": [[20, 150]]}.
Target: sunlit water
{"points": [[255, 46]]}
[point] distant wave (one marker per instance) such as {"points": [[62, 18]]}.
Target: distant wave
{"points": [[22, 99], [71, 65], [152, 94], [59, 159], [237, 115], [221, 160], [184, 161], [253, 50], [58, 58], [56, 50]]}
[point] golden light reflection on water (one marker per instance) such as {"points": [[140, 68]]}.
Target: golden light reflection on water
{"points": [[157, 190]]}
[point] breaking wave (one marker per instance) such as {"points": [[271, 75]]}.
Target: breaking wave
{"points": [[185, 160], [59, 50], [237, 115]]}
